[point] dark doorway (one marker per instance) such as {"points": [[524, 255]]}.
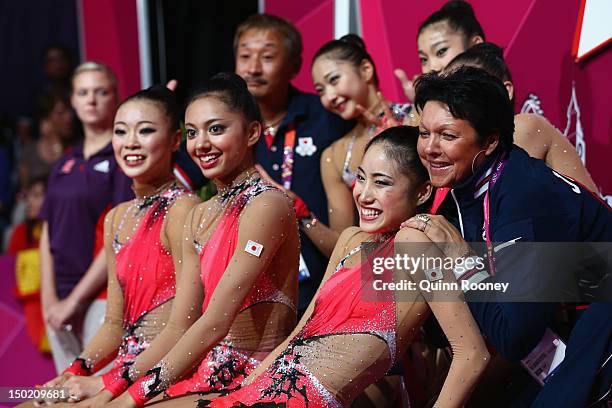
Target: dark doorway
{"points": [[197, 38]]}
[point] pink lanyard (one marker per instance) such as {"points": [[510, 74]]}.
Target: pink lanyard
{"points": [[499, 167], [287, 165]]}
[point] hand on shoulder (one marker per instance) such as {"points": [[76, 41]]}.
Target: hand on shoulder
{"points": [[408, 234]]}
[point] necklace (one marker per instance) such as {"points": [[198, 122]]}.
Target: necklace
{"points": [[270, 128], [240, 183], [137, 206], [369, 245], [225, 195], [147, 200]]}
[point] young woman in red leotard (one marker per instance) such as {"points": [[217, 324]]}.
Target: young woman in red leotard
{"points": [[236, 294], [142, 242], [351, 335]]}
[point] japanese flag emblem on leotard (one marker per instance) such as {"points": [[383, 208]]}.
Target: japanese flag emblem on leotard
{"points": [[253, 248]]}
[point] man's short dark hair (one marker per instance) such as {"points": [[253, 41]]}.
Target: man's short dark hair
{"points": [[291, 36], [474, 95]]}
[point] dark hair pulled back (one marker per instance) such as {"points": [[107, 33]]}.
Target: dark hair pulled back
{"points": [[460, 17], [350, 48]]}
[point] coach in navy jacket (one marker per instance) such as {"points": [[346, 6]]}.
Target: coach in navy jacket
{"points": [[466, 144]]}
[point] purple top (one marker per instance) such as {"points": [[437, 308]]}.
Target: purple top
{"points": [[79, 193]]}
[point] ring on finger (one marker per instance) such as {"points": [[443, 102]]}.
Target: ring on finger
{"points": [[424, 217]]}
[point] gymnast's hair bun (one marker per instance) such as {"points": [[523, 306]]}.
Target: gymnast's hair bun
{"points": [[231, 79], [458, 7], [354, 40]]}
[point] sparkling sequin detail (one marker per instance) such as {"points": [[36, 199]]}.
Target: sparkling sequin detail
{"points": [[145, 269], [327, 396], [145, 272], [278, 297], [225, 195], [288, 374], [151, 384], [389, 337], [347, 256], [241, 194], [341, 318], [160, 202], [131, 346], [216, 253], [223, 369], [377, 318]]}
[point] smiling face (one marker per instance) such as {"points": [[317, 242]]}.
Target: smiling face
{"points": [[94, 98], [384, 196], [447, 146], [341, 86], [262, 60], [219, 139], [143, 141], [439, 44]]}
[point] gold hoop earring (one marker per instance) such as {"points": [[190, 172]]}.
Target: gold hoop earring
{"points": [[474, 159]]}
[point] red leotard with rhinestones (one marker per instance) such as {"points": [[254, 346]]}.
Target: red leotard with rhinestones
{"points": [[348, 342], [145, 271], [226, 366]]}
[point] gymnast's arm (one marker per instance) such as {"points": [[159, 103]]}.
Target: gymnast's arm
{"points": [[470, 355], [186, 307], [339, 251], [259, 222]]}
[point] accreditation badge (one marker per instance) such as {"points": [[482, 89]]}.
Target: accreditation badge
{"points": [[545, 357]]}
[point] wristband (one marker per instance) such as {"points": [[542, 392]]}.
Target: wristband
{"points": [[148, 386], [80, 366], [301, 209], [472, 275], [117, 380]]}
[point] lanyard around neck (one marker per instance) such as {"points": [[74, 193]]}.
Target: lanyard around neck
{"points": [[498, 168], [287, 166]]}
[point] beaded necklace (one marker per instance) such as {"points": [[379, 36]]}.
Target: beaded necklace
{"points": [[377, 240], [138, 207], [225, 197], [225, 194]]}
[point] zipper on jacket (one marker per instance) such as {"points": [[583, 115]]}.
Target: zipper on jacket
{"points": [[459, 212]]}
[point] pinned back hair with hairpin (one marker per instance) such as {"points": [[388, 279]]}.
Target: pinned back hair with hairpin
{"points": [[400, 146], [349, 48], [165, 98], [460, 17], [487, 56], [232, 90]]}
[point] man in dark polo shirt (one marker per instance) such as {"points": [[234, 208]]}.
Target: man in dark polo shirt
{"points": [[296, 127]]}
